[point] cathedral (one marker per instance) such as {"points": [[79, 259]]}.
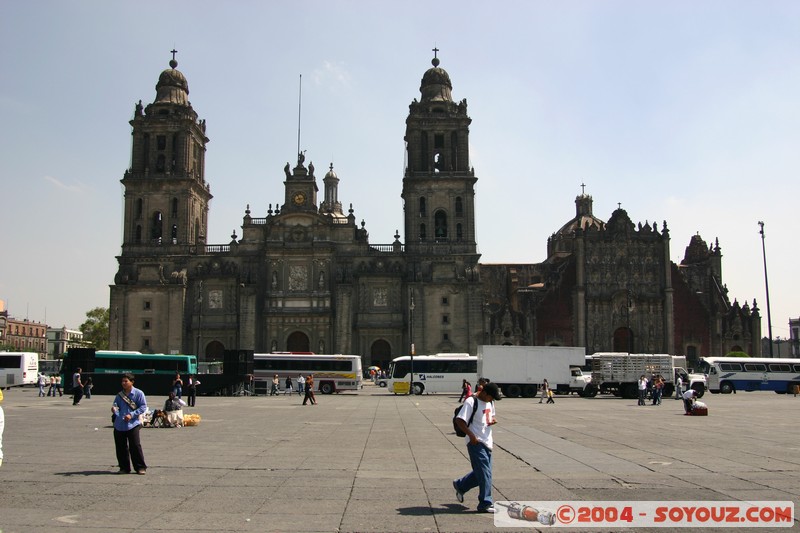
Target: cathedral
{"points": [[305, 278]]}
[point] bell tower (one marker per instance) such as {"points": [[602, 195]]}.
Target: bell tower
{"points": [[166, 194], [439, 185]]}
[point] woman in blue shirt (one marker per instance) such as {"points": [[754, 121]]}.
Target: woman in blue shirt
{"points": [[129, 405]]}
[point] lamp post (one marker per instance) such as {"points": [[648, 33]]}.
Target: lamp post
{"points": [[411, 339], [766, 285]]}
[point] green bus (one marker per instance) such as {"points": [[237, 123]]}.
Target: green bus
{"points": [[110, 362]]}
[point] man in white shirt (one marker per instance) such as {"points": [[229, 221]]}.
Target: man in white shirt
{"points": [[678, 386], [688, 400], [642, 389], [476, 418]]}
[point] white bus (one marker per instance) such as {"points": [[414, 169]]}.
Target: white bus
{"points": [[443, 372], [332, 373], [18, 368], [731, 374]]}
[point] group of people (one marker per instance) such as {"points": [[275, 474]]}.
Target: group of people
{"points": [[654, 387], [305, 385], [55, 385], [191, 388]]}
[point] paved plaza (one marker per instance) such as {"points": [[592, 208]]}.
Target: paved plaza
{"points": [[374, 461]]}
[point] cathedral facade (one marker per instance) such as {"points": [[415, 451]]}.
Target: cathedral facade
{"points": [[306, 278]]}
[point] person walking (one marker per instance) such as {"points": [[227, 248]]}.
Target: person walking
{"points": [[191, 389], [301, 384], [177, 385], [77, 387], [466, 390], [58, 386], [678, 386], [642, 390], [550, 395], [275, 382], [310, 390], [52, 389], [129, 405], [87, 388], [2, 426], [287, 387], [476, 419], [41, 380], [544, 388]]}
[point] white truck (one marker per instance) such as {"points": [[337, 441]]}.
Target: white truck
{"points": [[520, 370], [618, 373]]}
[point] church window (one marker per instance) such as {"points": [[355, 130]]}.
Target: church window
{"points": [[422, 207], [157, 230], [459, 233], [444, 300], [160, 162], [440, 226], [146, 324], [459, 207], [161, 141], [445, 336], [147, 305], [139, 207], [438, 141], [174, 212], [146, 344], [138, 234], [445, 319], [454, 150], [436, 162], [422, 235], [174, 234]]}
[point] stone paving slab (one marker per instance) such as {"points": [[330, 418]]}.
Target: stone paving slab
{"points": [[374, 461]]}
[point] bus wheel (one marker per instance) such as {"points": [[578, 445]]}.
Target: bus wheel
{"points": [[418, 388], [529, 391], [725, 387], [326, 387], [699, 389]]}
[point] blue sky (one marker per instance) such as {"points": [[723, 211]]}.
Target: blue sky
{"points": [[680, 111]]}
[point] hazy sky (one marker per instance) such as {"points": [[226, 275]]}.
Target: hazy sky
{"points": [[685, 111]]}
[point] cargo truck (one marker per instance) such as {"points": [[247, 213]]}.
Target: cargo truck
{"points": [[520, 370], [618, 373]]}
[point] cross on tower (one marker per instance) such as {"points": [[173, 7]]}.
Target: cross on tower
{"points": [[173, 52], [583, 189], [435, 51]]}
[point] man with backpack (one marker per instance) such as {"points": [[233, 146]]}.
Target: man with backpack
{"points": [[475, 420]]}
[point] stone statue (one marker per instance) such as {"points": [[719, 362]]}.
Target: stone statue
{"points": [[311, 169], [322, 279], [287, 171], [274, 279], [139, 108]]}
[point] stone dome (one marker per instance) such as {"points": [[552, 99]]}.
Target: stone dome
{"points": [[436, 85], [172, 87]]}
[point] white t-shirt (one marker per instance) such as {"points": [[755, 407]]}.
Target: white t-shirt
{"points": [[643, 384], [480, 423], [689, 394]]}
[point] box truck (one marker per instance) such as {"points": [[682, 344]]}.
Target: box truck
{"points": [[520, 370]]}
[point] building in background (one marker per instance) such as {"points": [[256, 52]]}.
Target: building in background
{"points": [[794, 337], [24, 335], [59, 340], [305, 277]]}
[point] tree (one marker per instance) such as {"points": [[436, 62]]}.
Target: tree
{"points": [[95, 329]]}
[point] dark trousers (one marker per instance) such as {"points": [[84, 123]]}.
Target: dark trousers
{"points": [[309, 397], [77, 393], [190, 397], [687, 405], [129, 449]]}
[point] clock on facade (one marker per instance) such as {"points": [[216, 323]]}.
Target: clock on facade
{"points": [[299, 198]]}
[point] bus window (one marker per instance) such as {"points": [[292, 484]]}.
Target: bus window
{"points": [[730, 367], [755, 367], [780, 368]]}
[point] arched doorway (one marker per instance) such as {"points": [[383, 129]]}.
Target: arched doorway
{"points": [[298, 342], [380, 353], [215, 351], [623, 340]]}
